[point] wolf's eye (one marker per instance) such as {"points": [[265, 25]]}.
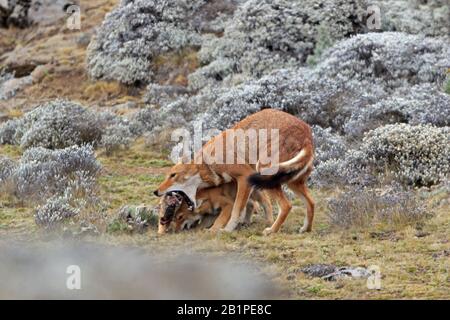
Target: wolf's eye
{"points": [[173, 175]]}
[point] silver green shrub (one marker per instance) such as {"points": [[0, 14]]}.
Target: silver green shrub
{"points": [[416, 155], [116, 137], [430, 17], [55, 211], [267, 35], [163, 94], [420, 104], [60, 182], [327, 144], [412, 155], [138, 30], [391, 59], [352, 77], [56, 124], [8, 131], [42, 173], [362, 207], [7, 167], [351, 168]]}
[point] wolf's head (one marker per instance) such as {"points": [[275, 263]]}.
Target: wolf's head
{"points": [[187, 178]]}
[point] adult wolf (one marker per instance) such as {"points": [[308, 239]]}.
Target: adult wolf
{"points": [[222, 160]]}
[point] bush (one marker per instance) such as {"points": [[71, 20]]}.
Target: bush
{"points": [[56, 124], [42, 173], [364, 207], [163, 95], [60, 124], [116, 137], [428, 17], [8, 131], [421, 104], [267, 35], [7, 167], [392, 59], [139, 30], [54, 211], [61, 183], [328, 145], [352, 168], [351, 78], [417, 155], [413, 155]]}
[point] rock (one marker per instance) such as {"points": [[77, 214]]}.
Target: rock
{"points": [[137, 218], [24, 13], [40, 72], [9, 88], [84, 39], [348, 272], [319, 270], [332, 273]]}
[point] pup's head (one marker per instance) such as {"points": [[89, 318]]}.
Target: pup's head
{"points": [[175, 209]]}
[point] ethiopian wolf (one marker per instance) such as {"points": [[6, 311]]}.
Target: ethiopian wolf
{"points": [[265, 150]]}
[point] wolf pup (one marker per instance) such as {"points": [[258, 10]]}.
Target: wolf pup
{"points": [[176, 210], [291, 156]]}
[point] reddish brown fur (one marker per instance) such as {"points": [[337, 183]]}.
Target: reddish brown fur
{"points": [[295, 136]]}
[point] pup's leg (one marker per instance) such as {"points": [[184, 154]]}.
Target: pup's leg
{"points": [[284, 208], [262, 197], [249, 210], [301, 190], [223, 217]]}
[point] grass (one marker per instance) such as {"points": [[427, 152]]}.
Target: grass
{"points": [[407, 265]]}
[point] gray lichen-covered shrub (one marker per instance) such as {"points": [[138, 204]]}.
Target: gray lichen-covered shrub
{"points": [[392, 59], [363, 207], [116, 137], [56, 124], [7, 167], [417, 155], [352, 168], [412, 155], [55, 211], [267, 35], [8, 131], [138, 30], [42, 173], [351, 77], [430, 17], [327, 144], [421, 104], [144, 120], [163, 94], [61, 183]]}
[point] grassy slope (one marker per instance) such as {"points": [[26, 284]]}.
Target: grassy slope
{"points": [[408, 267], [407, 264]]}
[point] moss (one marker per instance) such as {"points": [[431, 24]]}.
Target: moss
{"points": [[447, 86]]}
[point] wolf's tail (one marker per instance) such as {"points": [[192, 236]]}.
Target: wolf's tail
{"points": [[287, 171]]}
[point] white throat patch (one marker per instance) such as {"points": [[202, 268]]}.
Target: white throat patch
{"points": [[189, 188]]}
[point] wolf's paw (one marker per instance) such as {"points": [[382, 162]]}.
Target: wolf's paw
{"points": [[304, 229], [214, 230], [267, 231]]}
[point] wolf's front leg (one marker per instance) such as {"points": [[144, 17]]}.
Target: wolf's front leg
{"points": [[240, 203]]}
